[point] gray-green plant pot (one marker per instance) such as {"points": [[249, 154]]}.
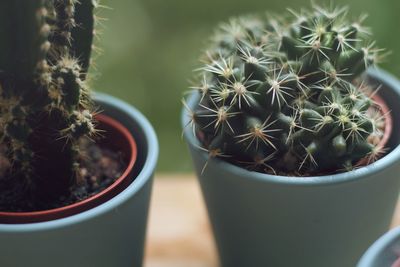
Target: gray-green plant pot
{"points": [[111, 234], [322, 221], [384, 252]]}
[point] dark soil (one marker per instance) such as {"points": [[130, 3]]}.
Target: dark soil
{"points": [[99, 168]]}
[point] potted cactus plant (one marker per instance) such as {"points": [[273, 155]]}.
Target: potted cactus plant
{"points": [[75, 169], [292, 141]]}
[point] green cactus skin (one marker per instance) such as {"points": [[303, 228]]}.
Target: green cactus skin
{"points": [[21, 49], [45, 105], [82, 36], [286, 96]]}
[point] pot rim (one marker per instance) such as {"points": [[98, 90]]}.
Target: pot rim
{"points": [[388, 160], [379, 247], [141, 179]]}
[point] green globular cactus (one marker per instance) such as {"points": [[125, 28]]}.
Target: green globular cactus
{"points": [[286, 95], [45, 105]]}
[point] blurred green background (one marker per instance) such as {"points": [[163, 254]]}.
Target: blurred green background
{"points": [[150, 48]]}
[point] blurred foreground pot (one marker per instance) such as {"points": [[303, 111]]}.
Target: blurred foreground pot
{"points": [[385, 252]]}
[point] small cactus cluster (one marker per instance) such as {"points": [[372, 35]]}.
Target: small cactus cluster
{"points": [[286, 95], [45, 105]]}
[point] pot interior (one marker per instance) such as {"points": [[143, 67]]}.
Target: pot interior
{"points": [[115, 137]]}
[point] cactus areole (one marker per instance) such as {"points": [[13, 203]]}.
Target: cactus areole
{"points": [[45, 103], [287, 96]]}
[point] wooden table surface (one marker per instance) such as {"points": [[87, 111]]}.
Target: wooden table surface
{"points": [[179, 234]]}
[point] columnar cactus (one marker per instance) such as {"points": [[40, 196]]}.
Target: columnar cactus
{"points": [[45, 105], [286, 95]]}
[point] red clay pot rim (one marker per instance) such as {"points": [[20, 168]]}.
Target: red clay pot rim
{"points": [[62, 212], [388, 120], [386, 113]]}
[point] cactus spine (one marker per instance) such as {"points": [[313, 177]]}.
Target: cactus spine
{"points": [[45, 103], [286, 95]]}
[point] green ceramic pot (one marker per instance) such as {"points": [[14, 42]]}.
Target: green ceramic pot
{"points": [[322, 221], [385, 252], [110, 234]]}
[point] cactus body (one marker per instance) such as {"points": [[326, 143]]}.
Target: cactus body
{"points": [[286, 96], [44, 101], [82, 36]]}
